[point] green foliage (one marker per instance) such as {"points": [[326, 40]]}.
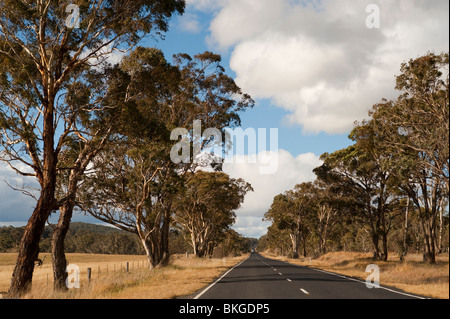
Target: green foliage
{"points": [[400, 155], [205, 209], [134, 179]]}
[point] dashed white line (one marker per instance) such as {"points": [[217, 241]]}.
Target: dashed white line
{"points": [[304, 291], [288, 279]]}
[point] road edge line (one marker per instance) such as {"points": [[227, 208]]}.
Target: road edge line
{"points": [[211, 285], [363, 282]]}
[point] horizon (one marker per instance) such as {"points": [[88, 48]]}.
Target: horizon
{"points": [[313, 69]]}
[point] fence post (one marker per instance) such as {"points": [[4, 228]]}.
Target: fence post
{"points": [[128, 264], [89, 270]]}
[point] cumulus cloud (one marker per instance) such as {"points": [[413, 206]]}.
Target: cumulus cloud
{"points": [[292, 170], [15, 207], [318, 59], [205, 5], [189, 22]]}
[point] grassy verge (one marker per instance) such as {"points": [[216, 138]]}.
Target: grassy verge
{"points": [[110, 280], [411, 275]]}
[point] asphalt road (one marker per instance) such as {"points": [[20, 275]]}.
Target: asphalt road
{"points": [[262, 278]]}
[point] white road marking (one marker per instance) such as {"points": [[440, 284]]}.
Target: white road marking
{"points": [[210, 286], [334, 274], [288, 279], [357, 280], [280, 274], [304, 291]]}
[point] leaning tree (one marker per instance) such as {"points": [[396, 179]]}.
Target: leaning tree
{"points": [[46, 46]]}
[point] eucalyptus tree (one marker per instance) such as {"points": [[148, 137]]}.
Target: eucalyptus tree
{"points": [[363, 179], [136, 181], [47, 46], [415, 129], [328, 203], [275, 240], [292, 212], [80, 149], [205, 209]]}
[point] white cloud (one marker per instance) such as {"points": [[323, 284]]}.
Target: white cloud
{"points": [[318, 60], [205, 5], [291, 171], [242, 19], [251, 227], [107, 54], [15, 206], [189, 22]]}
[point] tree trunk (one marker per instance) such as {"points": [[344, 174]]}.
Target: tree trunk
{"points": [[156, 247], [201, 248], [429, 254], [210, 249], [385, 247], [441, 227], [58, 252], [405, 233], [29, 245], [148, 252], [376, 249], [194, 244], [164, 241], [304, 247], [295, 244]]}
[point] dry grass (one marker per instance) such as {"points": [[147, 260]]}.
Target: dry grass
{"points": [[412, 275], [186, 276], [110, 280]]}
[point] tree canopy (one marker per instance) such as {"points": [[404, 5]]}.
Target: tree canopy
{"points": [[393, 180]]}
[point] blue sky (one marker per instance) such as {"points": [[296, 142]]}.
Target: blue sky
{"points": [[313, 68], [264, 114], [347, 68]]}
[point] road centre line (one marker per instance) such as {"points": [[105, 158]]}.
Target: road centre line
{"points": [[360, 281], [304, 291]]}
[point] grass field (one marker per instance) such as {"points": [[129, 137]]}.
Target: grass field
{"points": [[412, 275], [109, 278], [184, 276]]}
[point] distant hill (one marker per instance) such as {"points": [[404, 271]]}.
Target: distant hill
{"points": [[77, 227], [89, 238], [81, 238]]}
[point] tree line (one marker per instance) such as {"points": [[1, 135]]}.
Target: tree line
{"points": [[81, 238], [98, 239], [97, 137], [389, 191]]}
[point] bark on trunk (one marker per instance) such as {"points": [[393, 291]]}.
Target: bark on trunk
{"points": [[384, 257], [29, 245], [405, 233], [156, 244], [376, 249], [295, 245], [58, 252]]}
